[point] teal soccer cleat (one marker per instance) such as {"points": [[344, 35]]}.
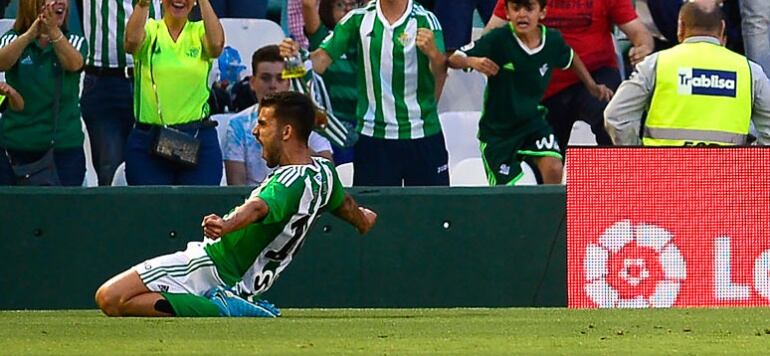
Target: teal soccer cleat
{"points": [[232, 305], [267, 305]]}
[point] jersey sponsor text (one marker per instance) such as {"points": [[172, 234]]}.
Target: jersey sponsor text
{"points": [[694, 81]]}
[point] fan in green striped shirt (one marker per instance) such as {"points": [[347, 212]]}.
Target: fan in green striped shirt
{"points": [[107, 99], [401, 72], [401, 68], [104, 25]]}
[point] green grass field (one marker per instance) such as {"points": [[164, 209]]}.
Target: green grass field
{"points": [[396, 331]]}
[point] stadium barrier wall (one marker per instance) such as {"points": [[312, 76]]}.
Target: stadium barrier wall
{"points": [[662, 227], [432, 247]]}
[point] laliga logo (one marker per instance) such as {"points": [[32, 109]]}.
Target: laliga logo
{"points": [[634, 266]]}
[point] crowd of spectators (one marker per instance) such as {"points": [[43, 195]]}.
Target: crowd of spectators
{"points": [[146, 66]]}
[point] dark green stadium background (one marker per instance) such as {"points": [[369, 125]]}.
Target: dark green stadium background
{"points": [[499, 247]]}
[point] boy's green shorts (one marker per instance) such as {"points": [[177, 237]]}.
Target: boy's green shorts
{"points": [[503, 155]]}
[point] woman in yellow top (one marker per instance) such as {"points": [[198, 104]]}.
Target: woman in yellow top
{"points": [[172, 59]]}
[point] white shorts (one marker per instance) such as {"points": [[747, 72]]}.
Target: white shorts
{"points": [[189, 271]]}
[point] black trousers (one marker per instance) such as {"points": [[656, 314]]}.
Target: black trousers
{"points": [[576, 103], [418, 162]]}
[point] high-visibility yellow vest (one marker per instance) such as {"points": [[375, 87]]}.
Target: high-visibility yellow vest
{"points": [[702, 97]]}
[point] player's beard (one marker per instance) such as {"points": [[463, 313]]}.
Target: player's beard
{"points": [[271, 154]]}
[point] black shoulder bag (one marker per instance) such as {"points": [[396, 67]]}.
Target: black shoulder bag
{"points": [[43, 171], [170, 143]]}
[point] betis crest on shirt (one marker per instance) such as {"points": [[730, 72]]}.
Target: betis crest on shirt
{"points": [[404, 38]]}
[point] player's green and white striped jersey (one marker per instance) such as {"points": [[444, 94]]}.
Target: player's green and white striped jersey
{"points": [[400, 100], [295, 196], [104, 25]]}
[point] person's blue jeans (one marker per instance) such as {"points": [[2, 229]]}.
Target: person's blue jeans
{"points": [[145, 168], [107, 105], [70, 164], [755, 24], [244, 9]]}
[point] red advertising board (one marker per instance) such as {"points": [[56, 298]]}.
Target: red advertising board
{"points": [[663, 227]]}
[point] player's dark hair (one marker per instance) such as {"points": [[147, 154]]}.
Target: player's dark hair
{"points": [[702, 17], [527, 3], [292, 108], [269, 53]]}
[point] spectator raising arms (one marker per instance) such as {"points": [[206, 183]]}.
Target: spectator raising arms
{"points": [[341, 77], [587, 27], [43, 60], [108, 90], [403, 68], [173, 58]]}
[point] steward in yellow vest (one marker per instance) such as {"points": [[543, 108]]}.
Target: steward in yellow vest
{"points": [[702, 97], [697, 93]]}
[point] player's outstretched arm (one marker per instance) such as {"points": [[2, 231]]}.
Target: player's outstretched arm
{"points": [[361, 218], [251, 211]]}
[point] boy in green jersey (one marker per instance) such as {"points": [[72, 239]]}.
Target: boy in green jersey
{"points": [[256, 241], [518, 60]]}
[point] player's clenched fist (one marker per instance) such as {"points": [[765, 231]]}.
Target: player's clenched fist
{"points": [[426, 42], [370, 218], [212, 226], [484, 65]]}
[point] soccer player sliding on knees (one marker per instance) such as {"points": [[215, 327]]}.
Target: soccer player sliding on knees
{"points": [[246, 250], [518, 59]]}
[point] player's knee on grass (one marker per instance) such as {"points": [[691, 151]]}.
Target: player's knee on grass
{"points": [[551, 169], [108, 300]]}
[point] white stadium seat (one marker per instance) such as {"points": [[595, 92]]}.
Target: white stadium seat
{"points": [[90, 180], [247, 36], [529, 175], [119, 180], [223, 120], [468, 172], [463, 91], [460, 130]]}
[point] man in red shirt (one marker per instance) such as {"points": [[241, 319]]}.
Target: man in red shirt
{"points": [[587, 27]]}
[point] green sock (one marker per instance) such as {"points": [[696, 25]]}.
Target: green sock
{"points": [[187, 305]]}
